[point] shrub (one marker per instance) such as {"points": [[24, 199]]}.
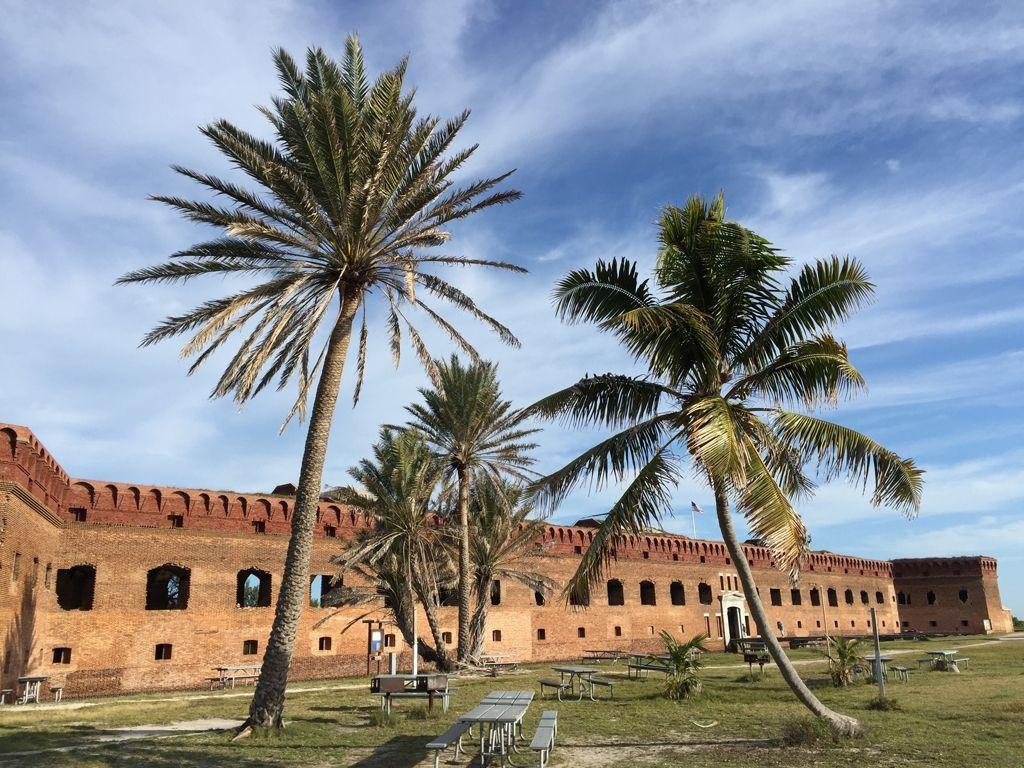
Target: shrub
{"points": [[884, 704], [807, 731], [843, 656], [1018, 624], [685, 660]]}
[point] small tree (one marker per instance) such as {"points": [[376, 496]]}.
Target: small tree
{"points": [[686, 660], [843, 656]]}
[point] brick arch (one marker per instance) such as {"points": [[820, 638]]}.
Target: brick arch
{"points": [[85, 488], [155, 497], [204, 499], [260, 510], [282, 506], [111, 494], [8, 443], [179, 499], [243, 504], [133, 496], [334, 514], [225, 504]]}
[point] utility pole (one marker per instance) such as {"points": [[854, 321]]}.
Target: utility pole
{"points": [[879, 677]]}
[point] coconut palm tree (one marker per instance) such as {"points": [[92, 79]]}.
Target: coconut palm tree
{"points": [[685, 661], [504, 540], [736, 365], [478, 436], [352, 195], [400, 548]]}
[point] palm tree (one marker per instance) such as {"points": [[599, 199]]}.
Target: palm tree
{"points": [[504, 538], [728, 351], [843, 657], [685, 660], [400, 548], [354, 192], [478, 436]]}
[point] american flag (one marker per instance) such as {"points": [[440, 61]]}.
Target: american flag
{"points": [[695, 508]]}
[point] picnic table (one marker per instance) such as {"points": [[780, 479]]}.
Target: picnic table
{"points": [[500, 718], [30, 687], [603, 654], [582, 675], [232, 673], [428, 686], [874, 661], [497, 662], [944, 660], [642, 663]]}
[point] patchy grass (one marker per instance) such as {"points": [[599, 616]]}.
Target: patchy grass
{"points": [[945, 720]]}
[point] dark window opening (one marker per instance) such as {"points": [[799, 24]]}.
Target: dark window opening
{"points": [[78, 514], [496, 592], [647, 593], [799, 624], [76, 587], [259, 526], [833, 598], [618, 631], [616, 595], [931, 598], [776, 596], [167, 588], [703, 559], [581, 632], [677, 593], [61, 655], [794, 597], [675, 556], [964, 622], [901, 598], [704, 593], [541, 634], [250, 647], [848, 596], [253, 590], [446, 637], [815, 597], [647, 555], [538, 597], [330, 532], [176, 521], [163, 651], [933, 623], [324, 644], [864, 597], [496, 636], [578, 550], [579, 597], [963, 595], [879, 598], [389, 641], [319, 585], [448, 597]]}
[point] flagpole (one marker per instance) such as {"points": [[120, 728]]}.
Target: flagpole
{"points": [[693, 519]]}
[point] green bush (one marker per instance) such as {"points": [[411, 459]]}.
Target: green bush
{"points": [[1018, 624], [685, 660], [807, 731]]}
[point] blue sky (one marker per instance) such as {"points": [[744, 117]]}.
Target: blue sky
{"points": [[886, 131]]}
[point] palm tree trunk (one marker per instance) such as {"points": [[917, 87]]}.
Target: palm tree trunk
{"points": [[439, 653], [838, 723], [479, 621], [464, 651], [268, 700]]}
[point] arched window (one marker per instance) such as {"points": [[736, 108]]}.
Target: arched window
{"points": [[647, 593], [879, 598], [704, 593], [963, 595], [677, 593], [448, 597], [75, 587], [833, 598], [253, 589], [848, 596], [167, 588], [931, 598], [495, 592], [901, 598], [538, 597], [864, 597], [615, 593], [815, 597]]}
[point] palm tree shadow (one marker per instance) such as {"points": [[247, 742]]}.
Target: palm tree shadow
{"points": [[397, 752]]}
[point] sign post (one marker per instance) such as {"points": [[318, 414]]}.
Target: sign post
{"points": [[879, 675]]}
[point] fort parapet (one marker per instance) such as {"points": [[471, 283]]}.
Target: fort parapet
{"points": [[115, 587]]}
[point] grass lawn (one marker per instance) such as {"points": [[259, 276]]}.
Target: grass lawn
{"points": [[975, 718]]}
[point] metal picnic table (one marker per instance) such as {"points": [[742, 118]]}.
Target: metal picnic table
{"points": [[31, 685], [243, 671], [874, 661], [581, 674], [497, 661], [502, 712], [603, 654], [944, 660]]}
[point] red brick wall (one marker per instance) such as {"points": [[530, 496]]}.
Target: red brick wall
{"points": [[130, 529], [950, 594]]}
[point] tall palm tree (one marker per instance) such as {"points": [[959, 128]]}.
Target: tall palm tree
{"points": [[396, 490], [504, 540], [354, 193], [478, 435], [737, 363]]}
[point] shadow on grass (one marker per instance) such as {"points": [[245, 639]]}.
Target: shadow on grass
{"points": [[397, 752]]}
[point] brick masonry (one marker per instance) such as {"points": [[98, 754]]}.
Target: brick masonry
{"points": [[50, 521]]}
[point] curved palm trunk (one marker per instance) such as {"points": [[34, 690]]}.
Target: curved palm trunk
{"points": [[479, 620], [268, 700], [838, 723], [439, 653], [464, 650]]}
